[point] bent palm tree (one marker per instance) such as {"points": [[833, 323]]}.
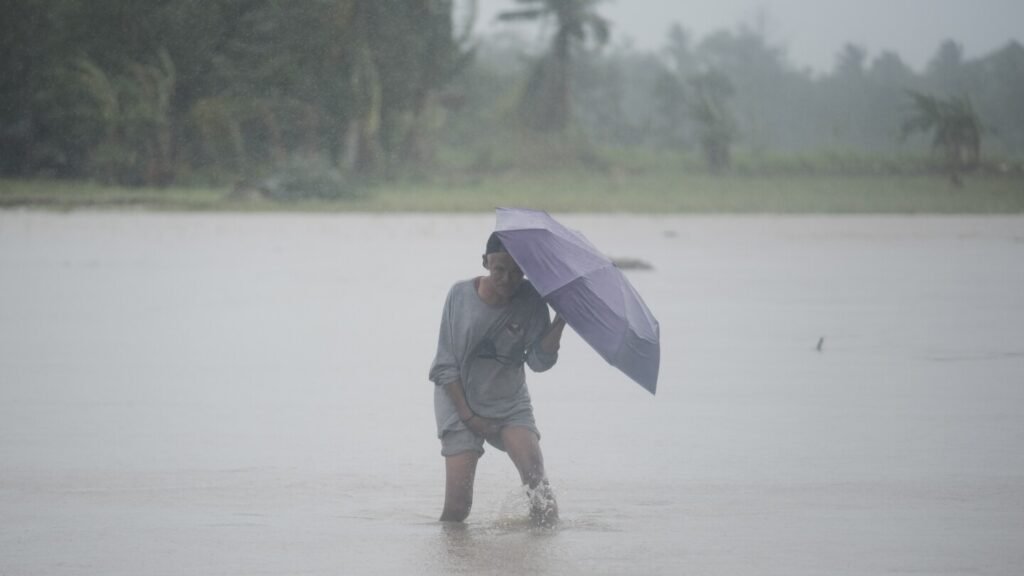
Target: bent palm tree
{"points": [[956, 128], [546, 100]]}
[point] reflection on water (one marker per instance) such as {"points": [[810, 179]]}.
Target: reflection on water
{"points": [[508, 542], [211, 394], [511, 547], [513, 543]]}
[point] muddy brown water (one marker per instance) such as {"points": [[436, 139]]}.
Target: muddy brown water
{"points": [[247, 394]]}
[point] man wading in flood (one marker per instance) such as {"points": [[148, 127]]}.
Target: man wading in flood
{"points": [[490, 327]]}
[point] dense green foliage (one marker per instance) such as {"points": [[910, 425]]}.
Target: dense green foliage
{"points": [[255, 92], [152, 91], [735, 94], [856, 108]]}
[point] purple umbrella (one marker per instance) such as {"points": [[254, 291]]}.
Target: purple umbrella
{"points": [[586, 288]]}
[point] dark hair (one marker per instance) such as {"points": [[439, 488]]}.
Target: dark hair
{"points": [[494, 244]]}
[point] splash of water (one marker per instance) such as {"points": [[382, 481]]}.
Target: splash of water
{"points": [[529, 507]]}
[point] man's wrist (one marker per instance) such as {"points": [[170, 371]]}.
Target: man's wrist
{"points": [[467, 419]]}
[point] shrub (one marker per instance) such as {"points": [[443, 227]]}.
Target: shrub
{"points": [[308, 179]]}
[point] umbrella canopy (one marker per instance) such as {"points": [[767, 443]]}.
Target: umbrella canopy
{"points": [[585, 287]]}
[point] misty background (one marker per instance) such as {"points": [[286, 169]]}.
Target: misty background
{"points": [[229, 92], [813, 33]]}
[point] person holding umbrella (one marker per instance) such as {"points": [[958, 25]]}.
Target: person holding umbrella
{"points": [[491, 327]]}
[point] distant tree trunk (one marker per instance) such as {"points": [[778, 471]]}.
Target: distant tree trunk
{"points": [[559, 104], [418, 146], [545, 103], [276, 148], [310, 132], [149, 121], [363, 152], [711, 91], [167, 86], [717, 154]]}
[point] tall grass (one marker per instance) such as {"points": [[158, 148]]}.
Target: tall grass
{"points": [[622, 188]]}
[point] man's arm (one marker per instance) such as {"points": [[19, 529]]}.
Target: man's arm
{"points": [[458, 396], [445, 367], [543, 353], [552, 339], [477, 424]]}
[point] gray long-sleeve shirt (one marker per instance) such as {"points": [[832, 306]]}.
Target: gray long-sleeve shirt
{"points": [[485, 347]]}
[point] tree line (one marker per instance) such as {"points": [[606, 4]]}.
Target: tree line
{"points": [[735, 89], [155, 92]]}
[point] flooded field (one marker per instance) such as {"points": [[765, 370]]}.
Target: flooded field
{"points": [[248, 394]]}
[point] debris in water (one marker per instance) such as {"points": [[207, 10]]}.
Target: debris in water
{"points": [[631, 264]]}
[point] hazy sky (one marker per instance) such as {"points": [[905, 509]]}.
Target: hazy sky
{"points": [[813, 31]]}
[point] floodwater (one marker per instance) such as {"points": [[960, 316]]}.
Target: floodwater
{"points": [[247, 394]]}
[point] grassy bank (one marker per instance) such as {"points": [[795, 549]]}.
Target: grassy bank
{"points": [[642, 191]]}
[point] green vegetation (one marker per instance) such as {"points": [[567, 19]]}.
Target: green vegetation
{"points": [[157, 92], [956, 131], [709, 104], [655, 191], [546, 104], [398, 105]]}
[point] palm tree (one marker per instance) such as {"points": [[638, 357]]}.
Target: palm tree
{"points": [[709, 106], [956, 128], [546, 100]]}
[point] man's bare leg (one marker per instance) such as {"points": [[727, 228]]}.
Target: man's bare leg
{"points": [[460, 470], [523, 447]]}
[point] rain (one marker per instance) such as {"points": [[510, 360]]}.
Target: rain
{"points": [[227, 232]]}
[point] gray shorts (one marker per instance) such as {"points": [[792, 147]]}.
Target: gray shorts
{"points": [[462, 439]]}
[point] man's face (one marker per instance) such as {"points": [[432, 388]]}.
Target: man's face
{"points": [[505, 274]]}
